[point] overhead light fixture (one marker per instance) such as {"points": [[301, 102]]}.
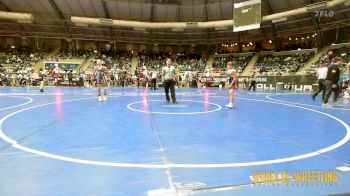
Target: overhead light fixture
{"points": [[20, 17], [279, 20], [25, 21], [105, 21], [178, 30], [290, 38], [81, 24], [140, 29], [221, 28], [192, 24]]}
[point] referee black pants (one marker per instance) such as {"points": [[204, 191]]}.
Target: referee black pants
{"points": [[252, 84], [321, 88], [169, 84], [154, 83], [329, 90]]}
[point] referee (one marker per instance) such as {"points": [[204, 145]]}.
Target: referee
{"points": [[322, 74], [331, 81], [253, 82], [169, 75]]}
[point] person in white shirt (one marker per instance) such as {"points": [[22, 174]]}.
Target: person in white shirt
{"points": [[321, 76], [169, 75], [154, 80]]}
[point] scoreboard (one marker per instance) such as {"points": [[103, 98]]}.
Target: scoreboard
{"points": [[246, 15]]}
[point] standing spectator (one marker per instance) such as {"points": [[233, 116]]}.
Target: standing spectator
{"points": [[81, 80], [70, 78], [41, 79], [154, 80]]}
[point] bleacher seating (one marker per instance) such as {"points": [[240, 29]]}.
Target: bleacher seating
{"points": [[343, 52], [282, 64]]}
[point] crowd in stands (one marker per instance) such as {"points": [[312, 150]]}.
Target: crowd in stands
{"points": [[283, 64], [66, 54], [118, 64], [189, 66], [190, 63], [152, 60], [327, 58], [16, 64], [240, 63]]}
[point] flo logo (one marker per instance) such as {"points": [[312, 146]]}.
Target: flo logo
{"points": [[324, 13]]}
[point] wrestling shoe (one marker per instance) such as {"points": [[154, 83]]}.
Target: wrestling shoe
{"points": [[230, 105]]}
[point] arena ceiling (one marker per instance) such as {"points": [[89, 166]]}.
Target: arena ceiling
{"points": [[52, 19]]}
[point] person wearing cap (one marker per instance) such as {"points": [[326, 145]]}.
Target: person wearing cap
{"points": [[100, 72], [169, 75], [232, 77]]}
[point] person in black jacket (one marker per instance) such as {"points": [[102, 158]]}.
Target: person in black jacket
{"points": [[331, 81], [70, 78]]}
